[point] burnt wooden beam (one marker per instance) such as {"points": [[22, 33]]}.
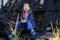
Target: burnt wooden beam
{"points": [[3, 19]]}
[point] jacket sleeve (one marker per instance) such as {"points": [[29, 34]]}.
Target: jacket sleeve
{"points": [[31, 19], [21, 16]]}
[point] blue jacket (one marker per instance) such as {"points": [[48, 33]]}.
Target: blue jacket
{"points": [[30, 18]]}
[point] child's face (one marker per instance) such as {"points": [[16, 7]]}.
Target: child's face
{"points": [[26, 7]]}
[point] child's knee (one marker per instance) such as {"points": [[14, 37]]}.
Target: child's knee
{"points": [[17, 26], [29, 25]]}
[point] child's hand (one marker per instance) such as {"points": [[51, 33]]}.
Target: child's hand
{"points": [[23, 21]]}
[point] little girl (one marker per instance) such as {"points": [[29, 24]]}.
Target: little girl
{"points": [[27, 20]]}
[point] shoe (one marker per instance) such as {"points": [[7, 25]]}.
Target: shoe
{"points": [[11, 36], [33, 33]]}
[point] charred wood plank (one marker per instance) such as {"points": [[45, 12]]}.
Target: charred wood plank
{"points": [[3, 19]]}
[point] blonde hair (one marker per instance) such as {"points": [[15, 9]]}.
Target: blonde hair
{"points": [[29, 7]]}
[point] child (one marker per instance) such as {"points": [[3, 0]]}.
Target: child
{"points": [[27, 19]]}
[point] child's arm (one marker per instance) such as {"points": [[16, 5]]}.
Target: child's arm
{"points": [[22, 18]]}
